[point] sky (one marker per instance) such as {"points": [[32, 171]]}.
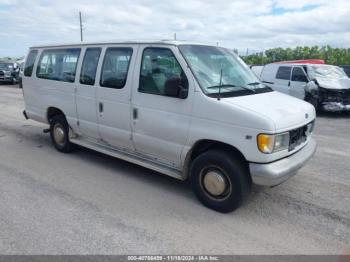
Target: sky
{"points": [[255, 25]]}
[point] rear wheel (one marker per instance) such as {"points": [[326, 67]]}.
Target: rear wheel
{"points": [[219, 180], [59, 132]]}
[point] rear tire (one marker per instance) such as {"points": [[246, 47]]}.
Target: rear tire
{"points": [[59, 132], [219, 180]]}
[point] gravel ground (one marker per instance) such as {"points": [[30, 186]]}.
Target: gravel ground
{"points": [[89, 203]]}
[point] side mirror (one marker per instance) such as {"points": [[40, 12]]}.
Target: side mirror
{"points": [[175, 87]]}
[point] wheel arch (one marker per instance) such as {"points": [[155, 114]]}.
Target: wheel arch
{"points": [[53, 111], [204, 145]]}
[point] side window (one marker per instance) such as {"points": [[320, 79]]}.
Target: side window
{"points": [[161, 74], [58, 64], [298, 75], [89, 67], [284, 72], [28, 68], [115, 67]]}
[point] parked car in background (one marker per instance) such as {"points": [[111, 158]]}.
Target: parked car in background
{"points": [[187, 110], [9, 72], [327, 87], [346, 69]]}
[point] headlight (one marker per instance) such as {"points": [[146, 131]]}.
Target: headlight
{"points": [[268, 144], [310, 128]]}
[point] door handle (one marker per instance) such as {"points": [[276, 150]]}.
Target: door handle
{"points": [[100, 107], [288, 83], [135, 113]]}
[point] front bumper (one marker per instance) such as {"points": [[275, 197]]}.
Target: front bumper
{"points": [[335, 107], [279, 171], [334, 100]]}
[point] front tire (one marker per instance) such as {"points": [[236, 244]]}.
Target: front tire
{"points": [[312, 99], [219, 180], [59, 132]]}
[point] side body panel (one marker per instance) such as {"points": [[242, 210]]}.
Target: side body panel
{"points": [[114, 107], [40, 94], [86, 102], [268, 77]]}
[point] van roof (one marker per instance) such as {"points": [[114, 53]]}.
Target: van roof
{"points": [[295, 64], [155, 42], [303, 61]]}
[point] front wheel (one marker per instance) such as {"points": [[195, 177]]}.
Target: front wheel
{"points": [[312, 99], [59, 132], [219, 180]]}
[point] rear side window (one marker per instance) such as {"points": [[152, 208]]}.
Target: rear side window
{"points": [[298, 75], [115, 67], [58, 64], [284, 72], [89, 67], [28, 68]]}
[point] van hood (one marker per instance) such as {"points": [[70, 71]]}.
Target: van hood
{"points": [[285, 111], [333, 83]]}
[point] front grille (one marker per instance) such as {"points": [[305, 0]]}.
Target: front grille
{"points": [[298, 136], [346, 97], [338, 96]]}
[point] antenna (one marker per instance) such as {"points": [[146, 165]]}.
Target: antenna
{"points": [[81, 27], [219, 95], [174, 36]]}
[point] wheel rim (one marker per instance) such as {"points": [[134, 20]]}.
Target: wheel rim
{"points": [[59, 134], [215, 183]]}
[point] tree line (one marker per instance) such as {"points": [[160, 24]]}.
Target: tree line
{"points": [[331, 55]]}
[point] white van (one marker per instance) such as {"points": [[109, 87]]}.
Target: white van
{"points": [[187, 110], [326, 87]]}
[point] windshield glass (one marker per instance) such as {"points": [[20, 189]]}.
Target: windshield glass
{"points": [[326, 71], [5, 66], [220, 70]]}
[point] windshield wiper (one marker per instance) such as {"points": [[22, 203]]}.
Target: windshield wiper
{"points": [[217, 86], [231, 85], [253, 84]]}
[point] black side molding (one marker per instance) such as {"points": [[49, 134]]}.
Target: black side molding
{"points": [[25, 114]]}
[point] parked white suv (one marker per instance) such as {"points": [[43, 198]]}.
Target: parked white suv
{"points": [[185, 110], [326, 87]]}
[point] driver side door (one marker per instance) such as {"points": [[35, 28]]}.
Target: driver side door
{"points": [[298, 82]]}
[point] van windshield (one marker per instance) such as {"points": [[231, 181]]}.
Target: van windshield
{"points": [[219, 70]]}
